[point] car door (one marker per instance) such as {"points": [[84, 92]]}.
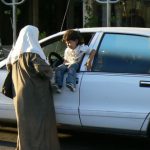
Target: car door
{"points": [[116, 93], [7, 112], [66, 103]]}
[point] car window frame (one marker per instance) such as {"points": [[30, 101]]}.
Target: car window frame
{"points": [[100, 42]]}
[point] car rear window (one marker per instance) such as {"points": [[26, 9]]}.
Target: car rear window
{"points": [[123, 53]]}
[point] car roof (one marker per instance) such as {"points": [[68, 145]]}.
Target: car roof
{"points": [[126, 30], [3, 62], [132, 30]]}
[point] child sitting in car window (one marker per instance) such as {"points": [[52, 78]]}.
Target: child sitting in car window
{"points": [[72, 56]]}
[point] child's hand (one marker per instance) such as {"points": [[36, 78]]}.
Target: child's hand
{"points": [[88, 65], [65, 61]]}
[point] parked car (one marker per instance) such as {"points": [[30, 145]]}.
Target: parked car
{"points": [[2, 56], [115, 95]]}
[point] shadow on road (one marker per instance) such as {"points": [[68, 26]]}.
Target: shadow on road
{"points": [[90, 141], [84, 141], [8, 144]]}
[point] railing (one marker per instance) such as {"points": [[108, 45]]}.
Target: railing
{"points": [[108, 2], [13, 4]]}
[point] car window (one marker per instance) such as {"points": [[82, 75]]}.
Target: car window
{"points": [[3, 68], [87, 37], [122, 53], [1, 55], [56, 44]]}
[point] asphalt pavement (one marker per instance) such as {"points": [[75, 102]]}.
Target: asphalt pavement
{"points": [[83, 141]]}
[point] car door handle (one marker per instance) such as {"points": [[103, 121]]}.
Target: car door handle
{"points": [[144, 83]]}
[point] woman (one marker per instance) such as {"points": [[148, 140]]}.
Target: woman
{"points": [[32, 94]]}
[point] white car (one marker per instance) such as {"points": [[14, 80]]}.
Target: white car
{"points": [[115, 95]]}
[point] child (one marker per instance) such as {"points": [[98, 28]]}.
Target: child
{"points": [[72, 56]]}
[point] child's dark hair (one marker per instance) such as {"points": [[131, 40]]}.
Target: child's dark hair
{"points": [[73, 35]]}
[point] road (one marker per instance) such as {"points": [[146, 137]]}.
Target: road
{"points": [[82, 141]]}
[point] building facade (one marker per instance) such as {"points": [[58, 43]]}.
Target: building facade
{"points": [[51, 16]]}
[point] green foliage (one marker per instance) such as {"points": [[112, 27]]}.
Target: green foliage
{"points": [[42, 35], [9, 12], [91, 19]]}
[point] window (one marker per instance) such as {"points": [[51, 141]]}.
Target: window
{"points": [[122, 53], [56, 44]]}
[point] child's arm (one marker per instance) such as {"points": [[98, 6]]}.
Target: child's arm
{"points": [[90, 59]]}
